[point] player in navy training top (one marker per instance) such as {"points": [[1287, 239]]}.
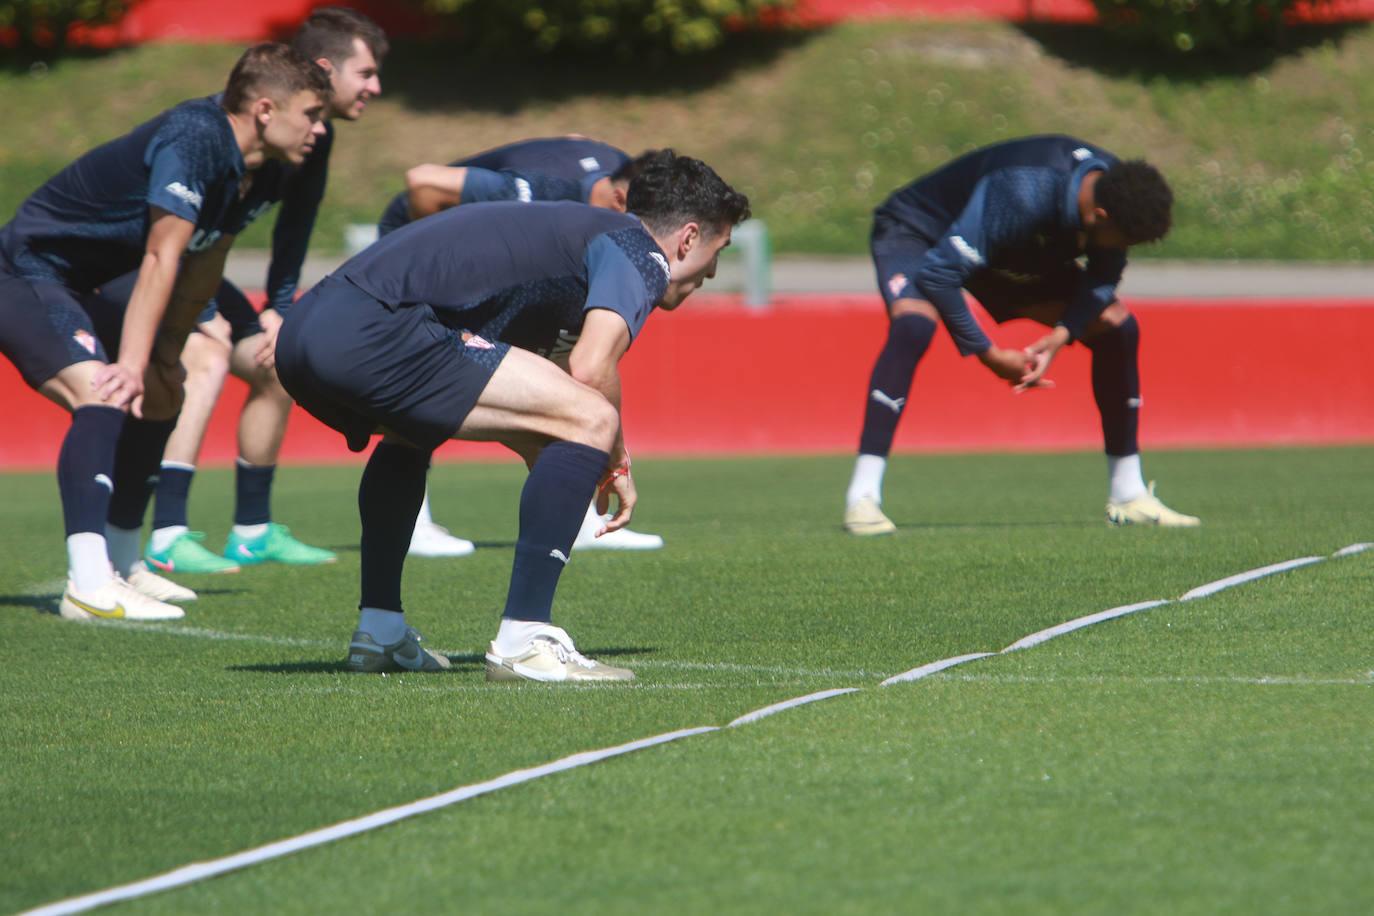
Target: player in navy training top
{"points": [[137, 203], [439, 331], [553, 168], [232, 337], [1010, 224], [550, 168]]}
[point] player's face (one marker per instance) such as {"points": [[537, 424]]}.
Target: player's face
{"points": [[355, 80], [292, 129], [694, 267]]}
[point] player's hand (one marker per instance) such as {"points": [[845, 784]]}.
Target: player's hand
{"points": [[1008, 365], [622, 485], [265, 356], [1040, 354], [119, 386]]}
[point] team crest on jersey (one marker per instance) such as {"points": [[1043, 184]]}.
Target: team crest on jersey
{"points": [[589, 164], [86, 339], [472, 340], [896, 284]]}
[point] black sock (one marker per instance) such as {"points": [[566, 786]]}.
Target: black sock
{"points": [[389, 497], [137, 457], [1116, 386], [908, 337], [253, 493], [173, 492], [552, 506], [85, 468]]}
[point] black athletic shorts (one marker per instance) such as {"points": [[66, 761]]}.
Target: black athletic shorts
{"points": [[357, 365], [898, 253]]}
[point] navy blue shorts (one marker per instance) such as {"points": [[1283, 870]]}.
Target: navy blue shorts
{"points": [[230, 302], [359, 366], [898, 253], [46, 327]]}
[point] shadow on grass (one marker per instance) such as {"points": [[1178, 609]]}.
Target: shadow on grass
{"points": [[44, 604], [1112, 54], [462, 664], [430, 76]]}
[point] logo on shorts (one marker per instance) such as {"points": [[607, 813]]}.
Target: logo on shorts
{"points": [[896, 284], [523, 192], [86, 339], [177, 189], [472, 340]]}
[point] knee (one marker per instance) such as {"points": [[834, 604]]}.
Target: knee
{"points": [[599, 422], [1122, 334]]}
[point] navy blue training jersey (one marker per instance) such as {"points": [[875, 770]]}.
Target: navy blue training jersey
{"points": [[524, 274], [1011, 208], [551, 168], [89, 223], [299, 188]]}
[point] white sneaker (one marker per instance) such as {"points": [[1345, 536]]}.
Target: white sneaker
{"points": [[550, 656], [1146, 509], [149, 583], [433, 540], [864, 519], [623, 539], [117, 600]]}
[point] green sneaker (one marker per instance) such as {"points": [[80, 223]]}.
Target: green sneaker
{"points": [[276, 546], [185, 555]]}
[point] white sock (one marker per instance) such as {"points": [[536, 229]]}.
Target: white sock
{"points": [[515, 635], [387, 627], [1125, 482], [162, 538], [122, 545], [250, 532], [867, 480], [425, 518], [88, 561]]}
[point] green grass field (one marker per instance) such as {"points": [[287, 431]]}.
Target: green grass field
{"points": [[1209, 756]]}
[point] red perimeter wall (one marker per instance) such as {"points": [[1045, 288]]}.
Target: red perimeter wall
{"points": [[255, 20], [719, 377]]}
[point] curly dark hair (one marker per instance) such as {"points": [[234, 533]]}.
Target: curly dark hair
{"points": [[673, 190], [1138, 200]]}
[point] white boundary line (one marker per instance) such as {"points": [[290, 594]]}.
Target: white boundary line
{"points": [[790, 704], [198, 871], [1211, 588], [189, 874], [1036, 639]]}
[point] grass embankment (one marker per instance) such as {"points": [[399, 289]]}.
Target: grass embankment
{"points": [[1266, 155]]}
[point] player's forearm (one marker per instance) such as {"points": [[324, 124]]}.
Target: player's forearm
{"points": [[148, 304], [195, 286]]}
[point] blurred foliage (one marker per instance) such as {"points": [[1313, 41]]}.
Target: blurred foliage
{"points": [[640, 29], [38, 28], [1191, 26]]}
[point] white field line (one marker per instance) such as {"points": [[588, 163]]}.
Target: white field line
{"points": [[916, 674], [1035, 639], [1211, 588], [790, 704], [199, 871], [1277, 680]]}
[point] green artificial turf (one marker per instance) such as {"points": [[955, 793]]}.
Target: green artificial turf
{"points": [[1208, 756]]}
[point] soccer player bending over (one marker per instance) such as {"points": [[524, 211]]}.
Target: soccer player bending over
{"points": [[548, 168], [441, 331], [1009, 224], [138, 203]]}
